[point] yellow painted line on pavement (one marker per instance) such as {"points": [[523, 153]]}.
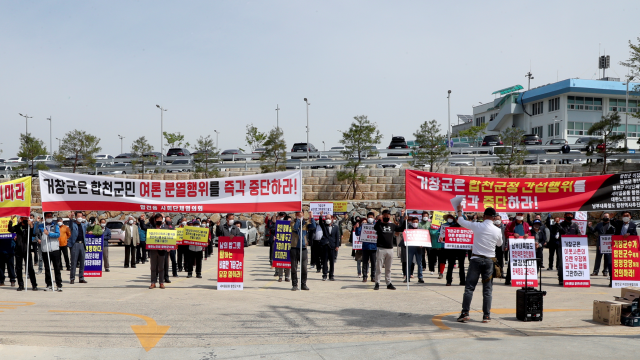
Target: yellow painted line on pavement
{"points": [[437, 320], [12, 305], [148, 334]]}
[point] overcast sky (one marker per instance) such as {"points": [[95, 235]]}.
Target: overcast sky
{"points": [[102, 66]]}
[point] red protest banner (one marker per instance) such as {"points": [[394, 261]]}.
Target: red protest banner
{"points": [[626, 261], [417, 237], [458, 238], [230, 263], [514, 194]]}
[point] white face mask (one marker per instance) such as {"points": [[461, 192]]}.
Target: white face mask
{"points": [[626, 219], [103, 225], [449, 221], [230, 222], [497, 222], [415, 225], [49, 220], [60, 224], [328, 221], [79, 220], [130, 222], [425, 218], [519, 218], [370, 220], [184, 223], [203, 225]]}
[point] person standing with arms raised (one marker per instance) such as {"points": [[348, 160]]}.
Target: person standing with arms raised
{"points": [[486, 236]]}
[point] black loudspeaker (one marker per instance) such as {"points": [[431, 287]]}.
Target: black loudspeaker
{"points": [[529, 301]]}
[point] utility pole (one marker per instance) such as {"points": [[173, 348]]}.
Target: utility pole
{"points": [[530, 76], [162, 110], [277, 116], [626, 113], [26, 122], [58, 144], [449, 118], [50, 141], [307, 102], [217, 145], [121, 137]]}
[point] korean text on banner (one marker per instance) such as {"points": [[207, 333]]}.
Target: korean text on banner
{"points": [[437, 219], [161, 239], [4, 225], [357, 244], [368, 234], [282, 245], [15, 197], [417, 237], [575, 261], [179, 235], [316, 207], [93, 256], [458, 238], [230, 263], [339, 207], [278, 191], [626, 261], [587, 193], [605, 244], [197, 236], [521, 252]]}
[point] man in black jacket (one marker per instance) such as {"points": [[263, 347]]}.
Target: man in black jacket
{"points": [[386, 230], [625, 228], [22, 243], [605, 227], [567, 227], [331, 241], [553, 242]]}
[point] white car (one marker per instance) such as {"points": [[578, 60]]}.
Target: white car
{"points": [[120, 168], [15, 160], [103, 157], [5, 171], [249, 230], [43, 158]]}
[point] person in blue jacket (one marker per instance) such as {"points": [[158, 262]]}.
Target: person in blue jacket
{"points": [[48, 234], [78, 228], [369, 250]]}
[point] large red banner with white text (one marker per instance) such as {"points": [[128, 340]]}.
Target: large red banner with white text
{"points": [[279, 191]]}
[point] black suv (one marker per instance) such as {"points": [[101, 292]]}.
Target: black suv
{"points": [[492, 140], [531, 139], [302, 149], [178, 152], [398, 142]]}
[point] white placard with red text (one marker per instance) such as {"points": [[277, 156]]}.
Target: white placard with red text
{"points": [[458, 238], [316, 207], [357, 244], [605, 244], [575, 261], [417, 237], [368, 234], [521, 251], [278, 191]]}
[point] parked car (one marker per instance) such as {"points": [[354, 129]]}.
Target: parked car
{"points": [[250, 232], [323, 158], [5, 171], [43, 158], [255, 155], [120, 169], [398, 142], [103, 157], [125, 156], [293, 164], [98, 168], [389, 166], [117, 235], [338, 149], [152, 154], [534, 160], [185, 166], [531, 139], [461, 163], [178, 152], [582, 143], [461, 148], [15, 160], [302, 148], [558, 142], [69, 161], [2, 160], [228, 155], [492, 140]]}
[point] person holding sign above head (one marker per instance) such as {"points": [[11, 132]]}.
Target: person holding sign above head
{"points": [[385, 230], [156, 257], [604, 227], [330, 243], [516, 229], [298, 238], [22, 246], [486, 236], [76, 243]]}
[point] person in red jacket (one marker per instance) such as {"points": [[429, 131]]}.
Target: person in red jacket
{"points": [[517, 228]]}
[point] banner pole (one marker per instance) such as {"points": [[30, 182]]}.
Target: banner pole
{"points": [[407, 251], [26, 269], [49, 258], [300, 246]]}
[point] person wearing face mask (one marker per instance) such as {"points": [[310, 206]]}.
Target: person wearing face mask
{"points": [[65, 234], [271, 230], [315, 236], [604, 227], [385, 231], [169, 254], [454, 255], [23, 243], [76, 242], [182, 249], [516, 229], [156, 257], [298, 242], [7, 255], [369, 252], [624, 228], [437, 252], [415, 254], [131, 241], [424, 224], [106, 232], [499, 248], [35, 235], [553, 243], [567, 227], [356, 230], [540, 240], [141, 249], [330, 243], [48, 240], [193, 256]]}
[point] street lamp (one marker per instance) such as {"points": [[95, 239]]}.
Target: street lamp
{"points": [[626, 113], [449, 118], [307, 102], [324, 148], [50, 141], [277, 116], [26, 122], [121, 137], [58, 143], [162, 110], [217, 145]]}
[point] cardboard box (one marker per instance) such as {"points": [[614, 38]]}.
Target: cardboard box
{"points": [[607, 312], [630, 321], [630, 293]]}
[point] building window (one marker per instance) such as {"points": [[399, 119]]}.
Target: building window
{"points": [[479, 120], [537, 130], [536, 108], [578, 128], [620, 105], [554, 129], [493, 116], [554, 104], [550, 130], [633, 131], [584, 103], [557, 132]]}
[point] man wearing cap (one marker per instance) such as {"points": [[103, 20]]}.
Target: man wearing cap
{"points": [[486, 236]]}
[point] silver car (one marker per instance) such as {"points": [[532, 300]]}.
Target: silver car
{"points": [[117, 235]]}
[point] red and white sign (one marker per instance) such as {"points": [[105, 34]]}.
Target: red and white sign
{"points": [[368, 234], [230, 263], [626, 261], [357, 244], [521, 253], [278, 191], [575, 261], [316, 207], [417, 237], [458, 238], [605, 244]]}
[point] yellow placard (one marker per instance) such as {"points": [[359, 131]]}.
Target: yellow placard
{"points": [[339, 207], [438, 218], [180, 233], [4, 225], [161, 237], [196, 234], [15, 197]]}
